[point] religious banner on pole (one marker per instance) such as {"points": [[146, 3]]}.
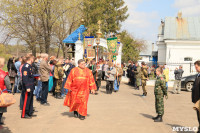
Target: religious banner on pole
{"points": [[88, 44], [112, 46], [89, 41], [90, 53]]}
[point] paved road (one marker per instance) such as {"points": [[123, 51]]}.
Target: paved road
{"points": [[122, 112]]}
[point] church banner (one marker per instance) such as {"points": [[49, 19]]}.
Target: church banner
{"points": [[89, 41], [112, 44], [90, 53]]}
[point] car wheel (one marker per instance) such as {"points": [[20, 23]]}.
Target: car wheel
{"points": [[189, 86]]}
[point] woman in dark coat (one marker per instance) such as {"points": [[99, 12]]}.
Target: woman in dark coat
{"points": [[12, 72]]}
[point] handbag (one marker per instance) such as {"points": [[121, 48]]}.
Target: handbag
{"points": [[11, 73], [6, 99]]}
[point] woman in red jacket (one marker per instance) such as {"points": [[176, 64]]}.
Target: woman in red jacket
{"points": [[4, 84]]}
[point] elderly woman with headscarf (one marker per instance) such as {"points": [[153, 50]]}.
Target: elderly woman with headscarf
{"points": [[119, 73]]}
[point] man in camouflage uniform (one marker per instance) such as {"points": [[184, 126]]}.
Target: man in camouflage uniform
{"points": [[144, 76], [58, 75], [160, 91], [138, 75]]}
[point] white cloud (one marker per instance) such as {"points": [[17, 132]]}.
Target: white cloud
{"points": [[141, 23], [188, 7]]}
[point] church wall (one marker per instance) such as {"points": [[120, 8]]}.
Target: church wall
{"points": [[177, 51], [161, 53]]}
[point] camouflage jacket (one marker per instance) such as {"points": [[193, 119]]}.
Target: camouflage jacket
{"points": [[58, 71], [144, 73], [160, 86]]}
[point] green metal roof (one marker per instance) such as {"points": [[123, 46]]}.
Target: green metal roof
{"points": [[187, 28]]}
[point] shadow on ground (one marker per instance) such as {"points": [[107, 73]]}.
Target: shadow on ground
{"points": [[175, 126], [139, 95], [70, 114], [147, 116], [104, 92], [4, 129]]}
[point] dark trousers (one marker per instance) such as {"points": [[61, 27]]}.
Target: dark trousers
{"points": [[63, 91], [109, 87], [44, 92], [1, 114], [98, 84], [133, 80], [54, 86], [27, 103], [21, 101], [103, 75], [198, 119]]}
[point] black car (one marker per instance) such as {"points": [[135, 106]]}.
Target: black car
{"points": [[187, 82]]}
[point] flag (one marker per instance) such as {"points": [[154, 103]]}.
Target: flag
{"points": [[112, 44]]}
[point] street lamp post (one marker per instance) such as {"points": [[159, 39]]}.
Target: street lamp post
{"points": [[98, 33]]}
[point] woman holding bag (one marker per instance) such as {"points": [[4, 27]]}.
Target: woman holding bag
{"points": [[4, 84]]}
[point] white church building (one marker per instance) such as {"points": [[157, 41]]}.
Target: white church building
{"points": [[179, 43]]}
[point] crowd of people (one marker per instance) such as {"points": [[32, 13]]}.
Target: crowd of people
{"points": [[37, 76], [41, 75]]}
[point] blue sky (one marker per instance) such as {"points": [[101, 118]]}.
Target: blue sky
{"points": [[145, 15]]}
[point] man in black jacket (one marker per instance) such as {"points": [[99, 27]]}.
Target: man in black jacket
{"points": [[177, 83], [196, 91]]}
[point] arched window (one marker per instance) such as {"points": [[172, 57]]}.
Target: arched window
{"points": [[188, 59]]}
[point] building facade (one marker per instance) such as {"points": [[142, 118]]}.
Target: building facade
{"points": [[179, 43]]}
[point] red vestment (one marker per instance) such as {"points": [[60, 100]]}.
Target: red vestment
{"points": [[79, 83]]}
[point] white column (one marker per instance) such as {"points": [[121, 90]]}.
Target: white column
{"points": [[78, 51], [119, 56]]}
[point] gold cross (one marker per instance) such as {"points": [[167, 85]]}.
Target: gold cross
{"points": [[79, 38]]}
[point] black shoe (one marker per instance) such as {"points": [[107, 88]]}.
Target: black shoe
{"points": [[81, 117], [75, 114], [58, 96], [159, 119], [38, 99], [155, 117], [26, 117]]}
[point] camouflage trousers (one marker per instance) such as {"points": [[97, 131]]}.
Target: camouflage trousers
{"points": [[138, 81], [58, 85], [144, 85], [159, 104]]}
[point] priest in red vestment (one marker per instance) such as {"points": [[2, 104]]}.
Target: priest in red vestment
{"points": [[79, 83]]}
